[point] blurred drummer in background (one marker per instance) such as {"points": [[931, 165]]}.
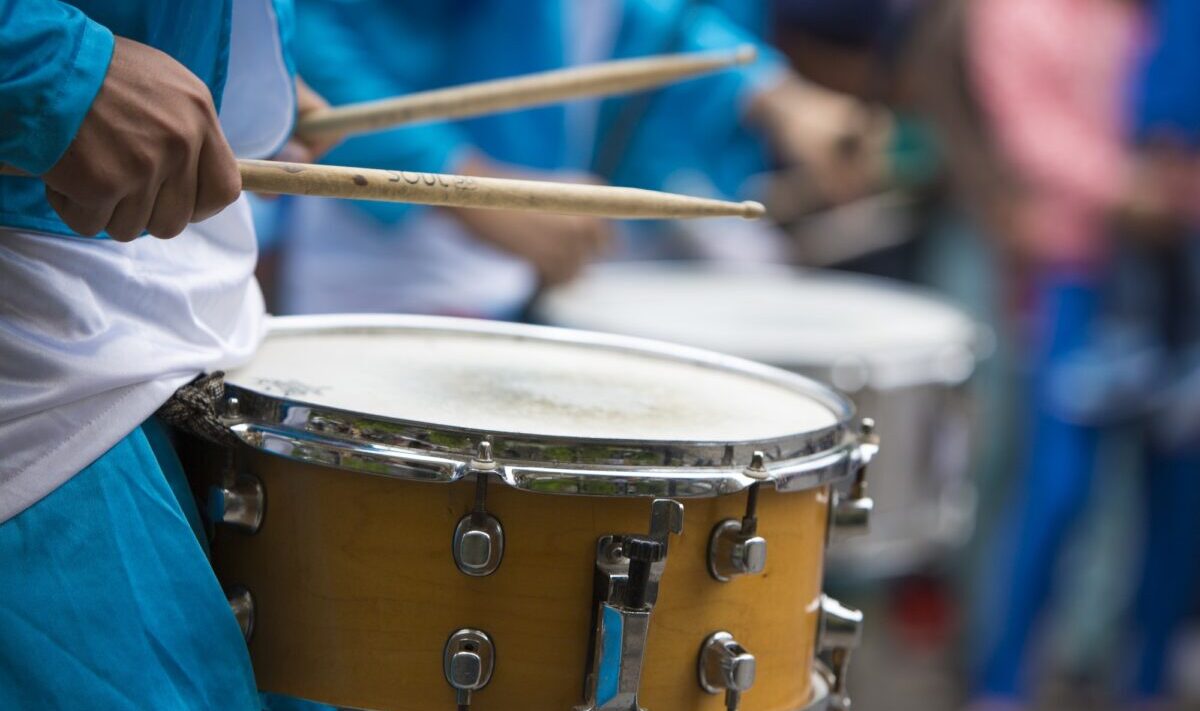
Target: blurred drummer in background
{"points": [[394, 257], [704, 137]]}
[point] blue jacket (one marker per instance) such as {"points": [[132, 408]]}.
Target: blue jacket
{"points": [[55, 57], [359, 50]]}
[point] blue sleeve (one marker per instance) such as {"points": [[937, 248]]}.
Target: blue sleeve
{"points": [[714, 140], [1166, 99], [54, 61], [332, 59], [700, 27], [707, 28]]}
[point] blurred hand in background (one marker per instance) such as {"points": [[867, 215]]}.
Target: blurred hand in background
{"points": [[1158, 205], [838, 140], [557, 246], [307, 149]]}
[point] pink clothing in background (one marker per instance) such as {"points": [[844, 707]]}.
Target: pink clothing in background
{"points": [[1052, 78]]}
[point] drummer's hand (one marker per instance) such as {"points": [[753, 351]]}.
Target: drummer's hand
{"points": [[557, 246], [149, 155], [839, 141], [307, 149]]}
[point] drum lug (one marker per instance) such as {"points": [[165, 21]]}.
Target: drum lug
{"points": [[478, 544], [839, 633], [238, 502], [851, 514], [628, 571], [467, 661], [725, 665], [241, 602], [734, 547], [731, 552]]}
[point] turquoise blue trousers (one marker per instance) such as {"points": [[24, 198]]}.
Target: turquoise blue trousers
{"points": [[107, 599]]}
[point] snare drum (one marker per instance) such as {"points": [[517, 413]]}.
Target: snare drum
{"points": [[434, 511], [903, 355]]}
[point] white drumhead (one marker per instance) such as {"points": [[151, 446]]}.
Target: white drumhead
{"points": [[788, 318], [524, 379]]}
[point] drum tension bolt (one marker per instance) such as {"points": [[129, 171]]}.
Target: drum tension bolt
{"points": [[852, 514], [233, 407], [725, 665], [839, 633], [867, 430], [467, 661], [734, 547]]}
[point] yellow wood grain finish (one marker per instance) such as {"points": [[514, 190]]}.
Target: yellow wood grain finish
{"points": [[356, 592]]}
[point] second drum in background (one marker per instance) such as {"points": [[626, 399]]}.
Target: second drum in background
{"points": [[904, 356]]}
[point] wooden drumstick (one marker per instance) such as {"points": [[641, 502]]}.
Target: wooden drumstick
{"points": [[264, 176], [496, 193], [602, 79]]}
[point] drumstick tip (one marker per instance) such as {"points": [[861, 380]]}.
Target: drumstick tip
{"points": [[752, 210], [746, 54]]}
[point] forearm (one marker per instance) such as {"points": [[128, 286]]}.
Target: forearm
{"points": [[55, 61]]}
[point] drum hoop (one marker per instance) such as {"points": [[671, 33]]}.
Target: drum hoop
{"points": [[310, 432]]}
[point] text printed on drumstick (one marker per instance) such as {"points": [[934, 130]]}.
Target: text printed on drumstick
{"points": [[461, 182]]}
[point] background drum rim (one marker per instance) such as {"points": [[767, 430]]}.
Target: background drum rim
{"points": [[882, 368]]}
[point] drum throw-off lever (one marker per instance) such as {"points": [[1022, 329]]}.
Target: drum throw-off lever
{"points": [[628, 571], [734, 547], [478, 544], [852, 512]]}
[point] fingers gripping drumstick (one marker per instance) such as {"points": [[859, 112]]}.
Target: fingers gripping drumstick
{"points": [[602, 79], [468, 191]]}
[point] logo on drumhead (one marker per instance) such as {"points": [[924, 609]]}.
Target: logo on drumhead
{"points": [[290, 388]]}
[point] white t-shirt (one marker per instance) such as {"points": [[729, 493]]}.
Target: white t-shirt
{"points": [[339, 259], [95, 335]]}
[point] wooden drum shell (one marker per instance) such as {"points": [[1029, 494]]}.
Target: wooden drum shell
{"points": [[356, 590]]}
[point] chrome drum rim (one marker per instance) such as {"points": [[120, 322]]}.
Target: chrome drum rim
{"points": [[308, 432]]}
